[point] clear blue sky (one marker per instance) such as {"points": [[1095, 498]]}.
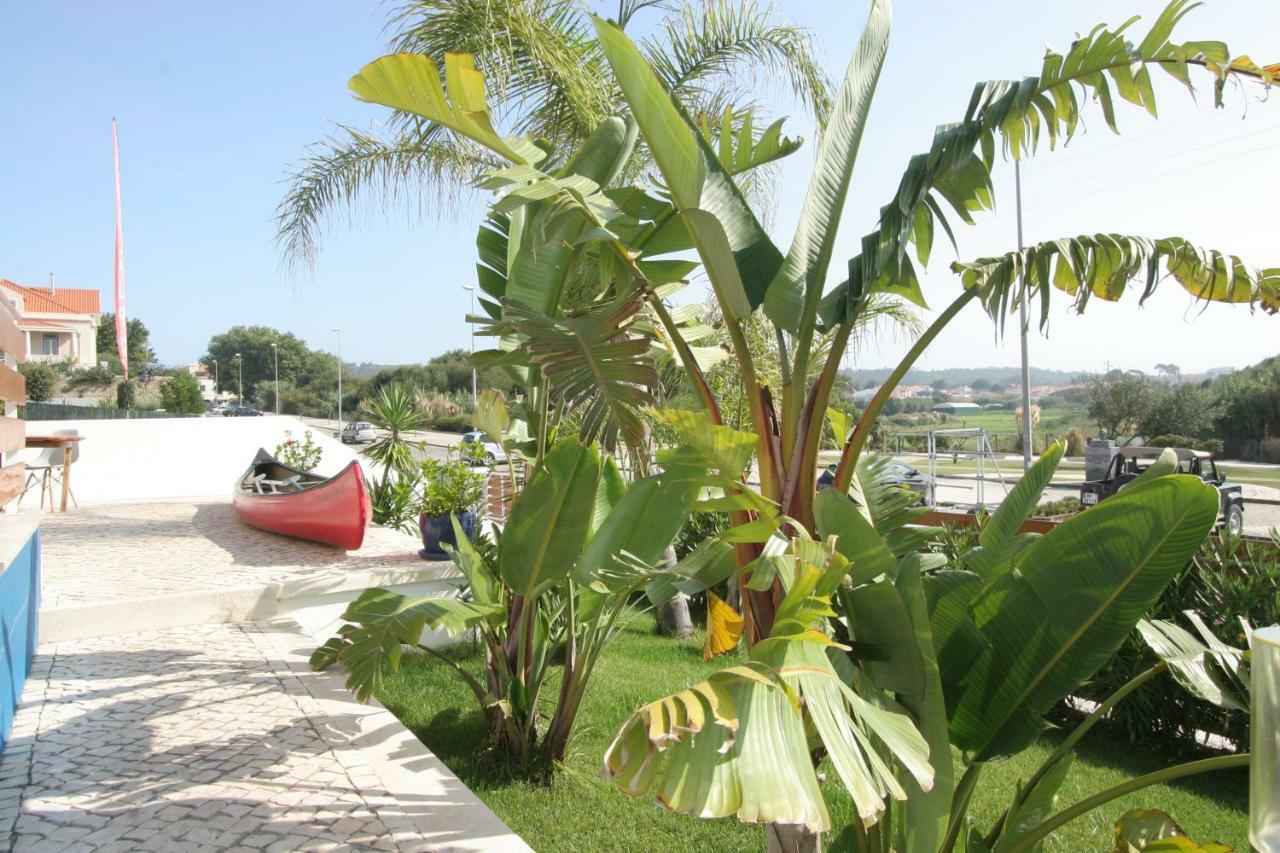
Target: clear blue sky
{"points": [[216, 100]]}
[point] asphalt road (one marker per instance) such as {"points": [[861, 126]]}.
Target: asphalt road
{"points": [[434, 445]]}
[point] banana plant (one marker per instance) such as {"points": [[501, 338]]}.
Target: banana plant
{"points": [[578, 544], [973, 654]]}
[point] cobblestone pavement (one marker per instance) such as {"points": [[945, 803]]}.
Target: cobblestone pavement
{"points": [[186, 739], [134, 551]]}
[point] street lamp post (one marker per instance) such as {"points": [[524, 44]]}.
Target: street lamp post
{"points": [[239, 380], [275, 357], [338, 332], [216, 389], [471, 322]]}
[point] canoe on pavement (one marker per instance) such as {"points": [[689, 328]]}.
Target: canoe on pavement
{"points": [[330, 510]]}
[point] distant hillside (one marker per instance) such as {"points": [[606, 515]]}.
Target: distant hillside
{"points": [[367, 369], [955, 376]]}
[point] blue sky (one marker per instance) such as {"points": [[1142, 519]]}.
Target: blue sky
{"points": [[216, 100]]}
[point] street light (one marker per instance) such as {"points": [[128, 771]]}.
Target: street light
{"points": [[216, 389], [275, 357], [338, 332], [239, 380], [471, 321]]}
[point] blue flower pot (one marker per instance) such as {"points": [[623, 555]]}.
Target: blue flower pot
{"points": [[437, 531]]}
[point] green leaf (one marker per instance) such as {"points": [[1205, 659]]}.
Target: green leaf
{"points": [[695, 178], [728, 449], [997, 540], [1033, 807], [1115, 559], [410, 82], [382, 621], [642, 524], [794, 293], [1214, 675], [550, 519]]}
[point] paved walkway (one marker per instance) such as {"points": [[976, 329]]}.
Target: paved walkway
{"points": [[135, 551], [216, 737], [155, 731]]}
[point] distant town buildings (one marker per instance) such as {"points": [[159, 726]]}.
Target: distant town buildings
{"points": [[60, 324]]}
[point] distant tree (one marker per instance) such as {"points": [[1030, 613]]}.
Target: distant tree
{"points": [[938, 384], [1118, 403], [980, 385], [1169, 371], [180, 393], [1184, 409], [141, 356], [298, 362], [42, 381]]}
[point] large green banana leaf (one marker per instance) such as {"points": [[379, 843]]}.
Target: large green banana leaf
{"points": [[696, 179], [550, 519], [1072, 597], [795, 291], [998, 541]]}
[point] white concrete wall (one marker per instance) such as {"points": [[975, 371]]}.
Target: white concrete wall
{"points": [[158, 458]]}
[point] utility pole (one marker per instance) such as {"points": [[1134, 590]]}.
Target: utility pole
{"points": [[471, 322], [239, 380], [275, 357], [1022, 308], [338, 332]]}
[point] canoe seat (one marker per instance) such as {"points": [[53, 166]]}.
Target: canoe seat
{"points": [[261, 481]]}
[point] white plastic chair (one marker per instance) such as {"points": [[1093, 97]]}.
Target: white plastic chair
{"points": [[40, 463]]}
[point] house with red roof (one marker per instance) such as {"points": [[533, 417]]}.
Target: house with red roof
{"points": [[60, 324]]}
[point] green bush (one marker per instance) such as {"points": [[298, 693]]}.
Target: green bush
{"points": [[449, 487], [1228, 580], [452, 423], [1171, 440], [42, 381], [1210, 445], [125, 395], [89, 377], [1062, 506], [303, 455], [181, 393]]}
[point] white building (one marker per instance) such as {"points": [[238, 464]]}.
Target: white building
{"points": [[59, 323]]}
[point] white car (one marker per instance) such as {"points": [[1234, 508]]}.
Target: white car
{"points": [[478, 447], [358, 432]]}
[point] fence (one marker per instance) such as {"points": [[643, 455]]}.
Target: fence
{"points": [[60, 412]]}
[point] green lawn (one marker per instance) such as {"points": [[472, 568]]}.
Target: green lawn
{"points": [[580, 811]]}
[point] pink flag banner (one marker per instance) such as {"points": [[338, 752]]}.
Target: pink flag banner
{"points": [[122, 343]]}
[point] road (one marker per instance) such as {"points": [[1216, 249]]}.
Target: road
{"points": [[433, 445]]}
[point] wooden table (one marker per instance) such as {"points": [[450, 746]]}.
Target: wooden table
{"points": [[65, 442]]}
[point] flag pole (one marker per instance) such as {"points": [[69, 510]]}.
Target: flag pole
{"points": [[122, 345]]}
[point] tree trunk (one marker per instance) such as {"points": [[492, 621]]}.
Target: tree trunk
{"points": [[673, 616], [791, 838]]}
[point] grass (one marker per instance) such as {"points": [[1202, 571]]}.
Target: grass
{"points": [[581, 811]]}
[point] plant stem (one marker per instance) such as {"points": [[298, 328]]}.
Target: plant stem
{"points": [[960, 805], [1190, 768], [853, 447]]}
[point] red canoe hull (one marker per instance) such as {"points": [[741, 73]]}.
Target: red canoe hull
{"points": [[333, 512]]}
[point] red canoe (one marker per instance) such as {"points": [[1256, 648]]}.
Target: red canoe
{"points": [[333, 511]]}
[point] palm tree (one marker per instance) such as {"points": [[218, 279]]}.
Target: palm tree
{"points": [[549, 81]]}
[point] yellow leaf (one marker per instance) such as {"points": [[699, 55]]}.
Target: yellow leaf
{"points": [[724, 627]]}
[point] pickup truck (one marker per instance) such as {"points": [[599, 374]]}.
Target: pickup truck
{"points": [[1129, 462]]}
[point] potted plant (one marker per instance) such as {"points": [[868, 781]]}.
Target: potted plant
{"points": [[449, 488]]}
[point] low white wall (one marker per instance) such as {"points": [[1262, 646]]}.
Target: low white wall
{"points": [[157, 458]]}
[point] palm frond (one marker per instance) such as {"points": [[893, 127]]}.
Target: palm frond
{"points": [[351, 166], [706, 47]]}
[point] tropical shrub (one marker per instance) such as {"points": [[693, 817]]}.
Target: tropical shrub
{"points": [[89, 377], [304, 455], [41, 381], [397, 501], [579, 543], [396, 411], [1232, 582]]}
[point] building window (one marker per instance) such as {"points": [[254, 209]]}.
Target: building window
{"points": [[49, 344]]}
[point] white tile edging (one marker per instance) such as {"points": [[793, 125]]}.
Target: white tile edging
{"points": [[403, 781]]}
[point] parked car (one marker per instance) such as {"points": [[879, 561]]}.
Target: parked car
{"points": [[358, 432], [1129, 462], [244, 412], [220, 409], [897, 473], [478, 447]]}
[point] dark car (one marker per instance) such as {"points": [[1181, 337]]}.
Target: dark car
{"points": [[897, 473], [243, 412], [1129, 462]]}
